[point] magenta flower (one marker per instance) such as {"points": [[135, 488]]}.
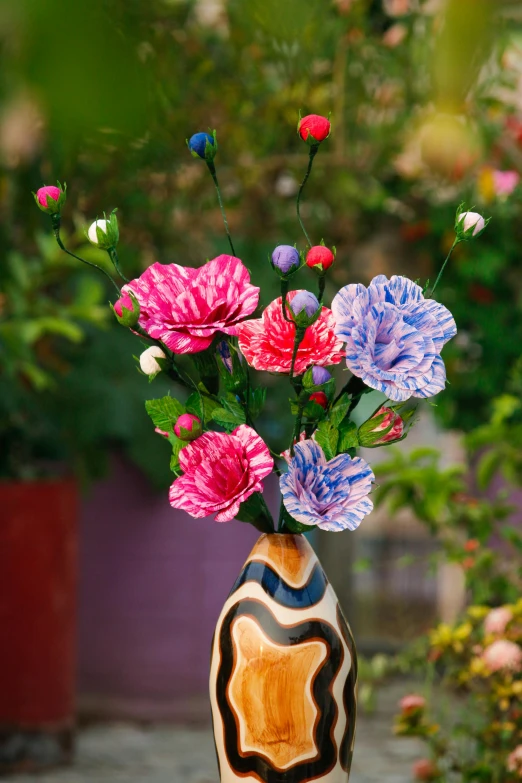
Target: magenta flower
{"points": [[220, 472], [184, 307], [188, 427], [505, 182], [332, 495], [48, 192], [267, 342], [394, 336]]}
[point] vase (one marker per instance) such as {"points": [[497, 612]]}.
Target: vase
{"points": [[283, 671]]}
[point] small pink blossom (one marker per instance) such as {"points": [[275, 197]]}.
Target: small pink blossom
{"points": [[497, 620], [502, 654], [267, 342], [185, 307], [424, 769], [412, 702], [123, 301], [188, 426], [514, 761], [161, 432], [369, 431], [220, 472], [505, 182]]}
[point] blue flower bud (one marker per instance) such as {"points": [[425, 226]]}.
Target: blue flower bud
{"points": [[202, 145], [306, 301], [285, 259], [320, 375]]}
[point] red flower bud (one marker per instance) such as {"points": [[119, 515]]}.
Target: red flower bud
{"points": [[320, 258], [313, 128], [385, 419], [320, 398], [472, 545], [424, 769]]}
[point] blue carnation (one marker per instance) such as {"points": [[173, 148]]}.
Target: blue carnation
{"points": [[198, 142], [331, 495], [394, 336]]}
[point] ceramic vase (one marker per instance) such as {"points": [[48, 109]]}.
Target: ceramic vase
{"points": [[283, 671]]}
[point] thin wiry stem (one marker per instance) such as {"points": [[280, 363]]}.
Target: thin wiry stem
{"points": [[212, 169], [56, 231], [313, 152], [454, 245]]}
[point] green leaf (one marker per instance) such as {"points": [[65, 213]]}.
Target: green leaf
{"points": [[487, 467], [339, 410], [234, 407], [348, 437], [231, 415], [312, 410], [201, 406], [255, 511], [164, 412], [225, 419], [327, 437], [177, 445]]}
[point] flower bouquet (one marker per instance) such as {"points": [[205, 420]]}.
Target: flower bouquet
{"points": [[283, 668]]}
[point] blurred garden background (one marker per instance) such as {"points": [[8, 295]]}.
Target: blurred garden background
{"points": [[426, 107]]}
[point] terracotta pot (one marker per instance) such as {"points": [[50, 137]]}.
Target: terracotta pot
{"points": [[283, 671], [37, 623]]}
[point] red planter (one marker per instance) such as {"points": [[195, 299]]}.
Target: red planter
{"points": [[38, 570]]}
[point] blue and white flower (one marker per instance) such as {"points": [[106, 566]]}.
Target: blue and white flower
{"points": [[394, 336], [333, 495]]}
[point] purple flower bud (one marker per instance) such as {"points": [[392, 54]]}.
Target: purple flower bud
{"points": [[320, 375], [286, 259], [306, 301], [223, 349]]}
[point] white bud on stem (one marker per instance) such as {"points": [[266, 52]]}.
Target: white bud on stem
{"points": [[148, 362]]}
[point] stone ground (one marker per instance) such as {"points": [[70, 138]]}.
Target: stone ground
{"points": [[121, 753]]}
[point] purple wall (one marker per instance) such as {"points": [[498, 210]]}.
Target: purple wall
{"points": [[152, 583]]}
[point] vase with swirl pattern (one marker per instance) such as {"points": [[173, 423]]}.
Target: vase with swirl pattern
{"points": [[283, 671]]}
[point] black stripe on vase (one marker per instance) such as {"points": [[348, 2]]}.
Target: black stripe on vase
{"points": [[253, 763], [290, 597], [349, 701]]}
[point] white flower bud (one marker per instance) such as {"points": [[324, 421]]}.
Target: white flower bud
{"points": [[148, 362], [102, 225], [472, 219]]}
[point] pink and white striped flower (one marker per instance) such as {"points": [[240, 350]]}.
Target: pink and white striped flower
{"points": [[185, 307], [220, 472], [267, 342]]}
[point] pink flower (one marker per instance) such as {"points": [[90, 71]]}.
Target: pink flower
{"points": [[496, 621], [220, 472], [424, 769], [184, 307], [502, 654], [514, 761], [412, 702], [267, 342], [48, 192], [505, 182], [123, 301], [161, 432]]}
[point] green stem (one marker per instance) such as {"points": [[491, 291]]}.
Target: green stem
{"points": [[299, 334], [322, 284], [313, 152], [212, 169], [355, 387], [454, 245], [56, 231], [284, 292], [113, 255]]}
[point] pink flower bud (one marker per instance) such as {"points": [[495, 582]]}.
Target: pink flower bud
{"points": [[424, 769], [471, 545], [48, 192], [472, 220], [188, 427], [369, 431], [313, 128], [320, 258], [411, 703], [497, 620]]}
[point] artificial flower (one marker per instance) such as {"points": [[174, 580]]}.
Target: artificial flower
{"points": [[285, 259], [202, 145], [319, 398], [471, 220], [50, 198], [320, 258], [185, 307], [333, 495], [394, 336], [220, 472], [514, 761], [384, 419], [148, 360], [424, 769], [267, 342], [314, 128], [188, 427]]}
